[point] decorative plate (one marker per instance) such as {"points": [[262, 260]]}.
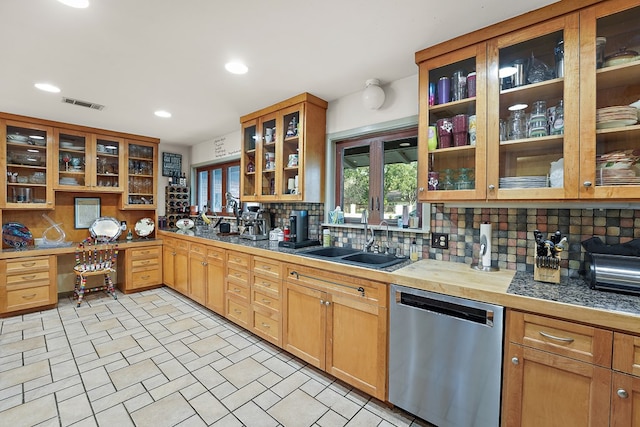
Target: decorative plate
{"points": [[185, 224], [616, 123], [186, 232], [144, 227], [16, 235], [105, 228]]}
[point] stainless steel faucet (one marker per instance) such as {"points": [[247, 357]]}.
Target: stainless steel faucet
{"points": [[386, 242], [365, 220]]}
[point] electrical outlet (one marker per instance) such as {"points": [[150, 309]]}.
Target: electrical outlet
{"points": [[440, 240]]}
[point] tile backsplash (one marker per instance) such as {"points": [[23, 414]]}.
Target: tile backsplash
{"points": [[512, 235]]}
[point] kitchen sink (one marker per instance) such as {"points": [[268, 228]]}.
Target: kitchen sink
{"points": [[354, 257], [330, 252]]}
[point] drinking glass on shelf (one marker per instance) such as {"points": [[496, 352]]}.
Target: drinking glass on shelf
{"points": [[66, 158]]}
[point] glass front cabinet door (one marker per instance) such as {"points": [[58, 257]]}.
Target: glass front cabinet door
{"points": [[533, 108], [28, 156], [141, 176], [72, 168], [609, 90], [452, 131], [249, 177], [108, 170]]}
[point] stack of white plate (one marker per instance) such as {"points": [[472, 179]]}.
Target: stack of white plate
{"points": [[524, 182], [68, 181], [616, 116]]}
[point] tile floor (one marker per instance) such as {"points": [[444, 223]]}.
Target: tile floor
{"points": [[156, 358]]}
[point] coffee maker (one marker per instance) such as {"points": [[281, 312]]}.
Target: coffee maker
{"points": [[299, 231], [253, 225]]}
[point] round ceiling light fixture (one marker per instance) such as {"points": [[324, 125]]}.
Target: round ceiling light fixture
{"points": [[162, 113], [373, 95], [236, 67], [78, 4], [47, 87]]}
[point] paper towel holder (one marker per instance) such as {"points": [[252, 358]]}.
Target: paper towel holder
{"points": [[483, 250]]}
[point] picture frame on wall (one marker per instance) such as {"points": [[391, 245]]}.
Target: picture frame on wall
{"points": [[171, 164], [87, 210]]}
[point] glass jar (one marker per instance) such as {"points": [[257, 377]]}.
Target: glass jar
{"points": [[538, 120], [558, 121], [517, 125], [448, 182]]}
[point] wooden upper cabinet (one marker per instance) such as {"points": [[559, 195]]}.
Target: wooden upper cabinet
{"points": [[533, 115], [607, 168], [283, 151], [26, 156], [452, 171], [141, 184]]}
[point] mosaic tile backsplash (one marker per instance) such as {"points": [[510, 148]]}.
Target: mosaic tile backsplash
{"points": [[512, 235]]}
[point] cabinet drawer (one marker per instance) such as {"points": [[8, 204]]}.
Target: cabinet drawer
{"points": [[267, 324], [266, 267], [626, 353], [197, 248], [268, 285], [141, 279], [266, 300], [238, 311], [561, 337], [238, 276], [238, 259], [28, 278], [18, 299], [146, 253], [238, 290], [27, 264], [138, 264], [214, 254]]}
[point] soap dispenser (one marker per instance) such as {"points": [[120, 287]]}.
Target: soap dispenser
{"points": [[413, 251]]}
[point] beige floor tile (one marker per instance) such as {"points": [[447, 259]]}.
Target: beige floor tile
{"points": [[115, 416], [298, 409], [95, 378], [267, 399], [228, 421], [244, 372], [30, 413], [192, 421], [208, 345], [167, 411], [20, 326], [172, 386], [23, 346], [251, 414], [173, 369], [105, 325], [195, 389], [332, 419], [339, 403], [116, 398], [24, 374], [279, 367], [289, 384], [209, 377], [64, 370], [69, 392], [165, 309], [312, 387], [243, 395], [182, 325], [364, 418], [10, 402], [74, 410], [51, 388], [208, 407], [132, 374], [138, 402], [115, 346]]}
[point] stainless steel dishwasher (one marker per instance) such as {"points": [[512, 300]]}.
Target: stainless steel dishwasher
{"points": [[445, 357]]}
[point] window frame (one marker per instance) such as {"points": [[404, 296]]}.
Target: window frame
{"points": [[376, 142], [209, 169]]}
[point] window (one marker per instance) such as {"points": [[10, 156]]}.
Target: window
{"points": [[212, 184], [378, 173]]}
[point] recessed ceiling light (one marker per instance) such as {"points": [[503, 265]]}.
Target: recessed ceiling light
{"points": [[78, 4], [163, 114], [47, 87], [236, 67]]}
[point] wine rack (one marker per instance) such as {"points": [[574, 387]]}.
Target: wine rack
{"points": [[176, 204]]}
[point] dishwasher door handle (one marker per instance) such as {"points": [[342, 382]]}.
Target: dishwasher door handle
{"points": [[451, 309]]}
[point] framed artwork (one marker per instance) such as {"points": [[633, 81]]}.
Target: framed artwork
{"points": [[87, 210], [171, 164]]}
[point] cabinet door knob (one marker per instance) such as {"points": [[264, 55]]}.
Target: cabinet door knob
{"points": [[515, 360], [321, 301], [492, 187], [421, 189], [622, 393], [327, 302], [587, 184]]}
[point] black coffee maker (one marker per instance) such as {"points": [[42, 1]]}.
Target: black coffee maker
{"points": [[299, 231]]}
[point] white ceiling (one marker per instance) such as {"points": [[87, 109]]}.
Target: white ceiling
{"points": [[137, 56]]}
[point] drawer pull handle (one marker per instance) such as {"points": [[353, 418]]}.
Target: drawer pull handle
{"points": [[266, 325], [145, 277], [622, 393], [266, 301], [144, 252], [266, 267], [31, 276], [145, 262], [266, 284], [236, 290], [33, 295], [237, 274], [28, 264], [235, 310], [551, 337]]}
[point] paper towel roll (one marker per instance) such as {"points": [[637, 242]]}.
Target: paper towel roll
{"points": [[485, 238]]}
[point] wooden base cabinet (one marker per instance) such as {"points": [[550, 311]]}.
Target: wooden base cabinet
{"points": [[197, 273], [143, 269], [27, 283], [237, 290], [175, 261], [266, 306], [558, 373], [215, 279], [338, 324]]}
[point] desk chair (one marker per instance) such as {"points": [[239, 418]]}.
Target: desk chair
{"points": [[94, 257]]}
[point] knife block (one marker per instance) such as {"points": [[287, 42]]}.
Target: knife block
{"points": [[546, 274]]}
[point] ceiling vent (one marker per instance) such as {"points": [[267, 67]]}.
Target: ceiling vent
{"points": [[80, 103]]}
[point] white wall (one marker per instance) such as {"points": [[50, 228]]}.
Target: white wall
{"points": [[218, 150]]}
